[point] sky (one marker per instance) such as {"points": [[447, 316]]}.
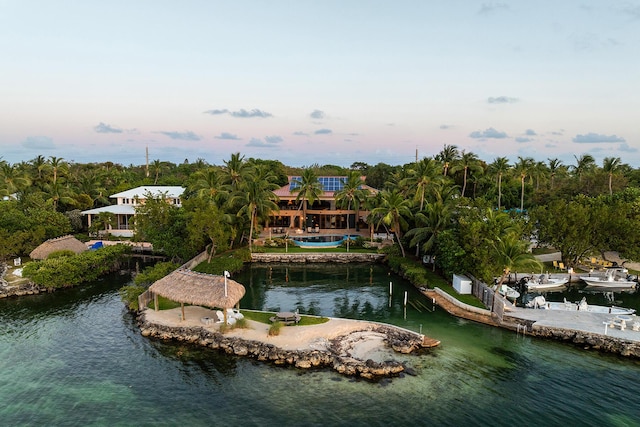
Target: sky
{"points": [[318, 82]]}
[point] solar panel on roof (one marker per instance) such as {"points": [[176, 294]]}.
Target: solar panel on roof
{"points": [[329, 183]]}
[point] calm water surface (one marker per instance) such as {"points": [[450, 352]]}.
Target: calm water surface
{"points": [[76, 357]]}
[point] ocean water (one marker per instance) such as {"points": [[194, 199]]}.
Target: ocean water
{"points": [[76, 358]]}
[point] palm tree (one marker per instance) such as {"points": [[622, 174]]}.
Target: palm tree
{"points": [[512, 254], [157, 167], [351, 193], [467, 162], [610, 165], [392, 210], [538, 171], [58, 165], [584, 163], [422, 177], [430, 223], [308, 190], [39, 164], [447, 156], [499, 167], [209, 184], [12, 180], [236, 169], [555, 166], [257, 197], [522, 168]]}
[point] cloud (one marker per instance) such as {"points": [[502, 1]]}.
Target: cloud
{"points": [[523, 139], [38, 143], [322, 132], [488, 8], [530, 132], [273, 139], [257, 142], [488, 133], [317, 114], [105, 128], [241, 113], [626, 148], [501, 100], [227, 135], [217, 112], [300, 133], [445, 127], [592, 138], [184, 136], [632, 11]]}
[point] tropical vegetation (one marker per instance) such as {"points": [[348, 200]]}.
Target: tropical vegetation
{"points": [[464, 213]]}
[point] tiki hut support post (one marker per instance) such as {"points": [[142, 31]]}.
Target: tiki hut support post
{"points": [[155, 301], [189, 287], [182, 306]]}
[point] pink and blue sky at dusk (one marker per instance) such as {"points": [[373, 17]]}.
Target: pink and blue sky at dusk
{"points": [[331, 82]]}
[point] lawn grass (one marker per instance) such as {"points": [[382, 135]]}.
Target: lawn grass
{"points": [[439, 281]]}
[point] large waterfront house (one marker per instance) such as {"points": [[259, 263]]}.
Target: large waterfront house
{"points": [[124, 209], [323, 214]]}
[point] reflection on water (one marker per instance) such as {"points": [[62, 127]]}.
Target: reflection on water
{"points": [[76, 357]]}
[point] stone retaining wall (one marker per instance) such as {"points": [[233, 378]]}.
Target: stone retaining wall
{"points": [[462, 305], [333, 357], [334, 257], [588, 340]]}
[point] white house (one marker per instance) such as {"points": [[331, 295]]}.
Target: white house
{"points": [[126, 202]]}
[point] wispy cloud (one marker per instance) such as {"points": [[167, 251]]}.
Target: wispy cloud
{"points": [[445, 127], [488, 133], [105, 128], [488, 8], [593, 138], [523, 139], [241, 113], [632, 11], [322, 132], [227, 135], [300, 133], [627, 149], [38, 143], [317, 114], [501, 100], [273, 139], [184, 136], [268, 143], [530, 132]]}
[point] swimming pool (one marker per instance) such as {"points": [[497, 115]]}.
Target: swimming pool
{"points": [[324, 241]]}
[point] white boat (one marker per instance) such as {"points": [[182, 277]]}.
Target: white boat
{"points": [[543, 283], [508, 292], [582, 306], [613, 278]]}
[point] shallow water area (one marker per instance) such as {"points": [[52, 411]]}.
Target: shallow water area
{"points": [[76, 357]]}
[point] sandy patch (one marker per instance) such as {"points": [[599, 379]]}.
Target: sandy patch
{"points": [[362, 343]]}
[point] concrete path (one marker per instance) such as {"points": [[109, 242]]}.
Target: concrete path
{"points": [[577, 320]]}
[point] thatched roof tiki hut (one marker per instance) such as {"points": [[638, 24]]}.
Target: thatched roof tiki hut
{"points": [[186, 286], [58, 244]]}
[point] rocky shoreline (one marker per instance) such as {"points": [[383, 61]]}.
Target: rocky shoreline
{"points": [[339, 353]]}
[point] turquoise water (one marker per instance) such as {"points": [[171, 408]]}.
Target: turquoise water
{"points": [[76, 357]]}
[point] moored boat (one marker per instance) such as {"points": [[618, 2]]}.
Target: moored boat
{"points": [[543, 283], [582, 306], [616, 277]]}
